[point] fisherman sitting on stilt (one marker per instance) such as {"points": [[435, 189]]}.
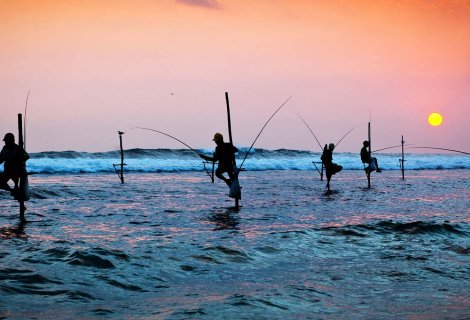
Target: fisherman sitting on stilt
{"points": [[225, 154], [371, 162], [14, 158], [330, 167]]}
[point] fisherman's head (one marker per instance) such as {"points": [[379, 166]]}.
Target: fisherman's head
{"points": [[218, 138], [331, 146], [9, 139], [366, 143]]}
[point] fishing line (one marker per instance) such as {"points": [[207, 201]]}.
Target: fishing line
{"points": [[170, 136], [452, 150], [248, 152], [344, 136], [392, 147], [311, 131]]}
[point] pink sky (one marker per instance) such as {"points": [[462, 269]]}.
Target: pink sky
{"points": [[98, 66]]}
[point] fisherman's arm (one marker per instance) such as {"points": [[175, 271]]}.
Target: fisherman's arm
{"points": [[25, 156], [207, 158], [217, 155], [2, 156]]}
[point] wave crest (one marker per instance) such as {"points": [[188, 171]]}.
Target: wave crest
{"points": [[174, 160]]}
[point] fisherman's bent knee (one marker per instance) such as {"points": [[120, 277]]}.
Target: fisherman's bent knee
{"points": [[4, 177]]}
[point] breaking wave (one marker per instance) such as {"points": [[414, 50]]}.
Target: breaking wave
{"points": [[176, 160]]}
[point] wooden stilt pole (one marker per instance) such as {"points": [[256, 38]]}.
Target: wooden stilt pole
{"points": [[120, 172], [230, 135], [321, 173], [122, 156], [370, 155], [228, 118], [402, 160], [213, 169], [19, 190]]}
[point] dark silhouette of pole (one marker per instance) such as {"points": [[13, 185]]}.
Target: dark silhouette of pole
{"points": [[212, 171], [320, 171], [370, 156], [230, 136], [120, 173], [402, 160], [122, 156], [228, 118], [20, 194]]}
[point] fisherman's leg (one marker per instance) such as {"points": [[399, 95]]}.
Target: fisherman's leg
{"points": [[15, 190], [376, 164], [19, 196], [231, 175], [22, 211], [328, 178], [4, 181], [218, 174], [372, 167], [336, 168]]}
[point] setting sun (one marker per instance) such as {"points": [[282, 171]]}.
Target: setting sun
{"points": [[435, 119]]}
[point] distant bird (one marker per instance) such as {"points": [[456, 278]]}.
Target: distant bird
{"points": [[172, 93]]}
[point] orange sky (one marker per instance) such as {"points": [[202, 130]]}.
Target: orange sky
{"points": [[95, 67]]}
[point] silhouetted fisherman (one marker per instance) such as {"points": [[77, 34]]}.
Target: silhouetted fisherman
{"points": [[330, 167], [372, 164], [225, 154], [14, 167]]}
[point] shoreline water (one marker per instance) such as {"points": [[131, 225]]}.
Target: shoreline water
{"points": [[169, 245]]}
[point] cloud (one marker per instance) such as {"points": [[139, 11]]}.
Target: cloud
{"points": [[209, 4]]}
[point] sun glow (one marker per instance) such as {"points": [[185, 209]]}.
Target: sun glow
{"points": [[435, 119]]}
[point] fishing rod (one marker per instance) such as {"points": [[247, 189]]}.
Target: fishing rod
{"points": [[248, 152], [24, 120], [345, 136], [452, 150], [392, 147], [170, 136], [184, 143], [311, 131]]}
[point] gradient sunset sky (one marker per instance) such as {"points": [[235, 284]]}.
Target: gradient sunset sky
{"points": [[98, 66]]}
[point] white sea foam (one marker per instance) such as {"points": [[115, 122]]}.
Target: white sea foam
{"points": [[167, 160]]}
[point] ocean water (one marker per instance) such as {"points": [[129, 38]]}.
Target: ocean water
{"points": [[168, 244]]}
